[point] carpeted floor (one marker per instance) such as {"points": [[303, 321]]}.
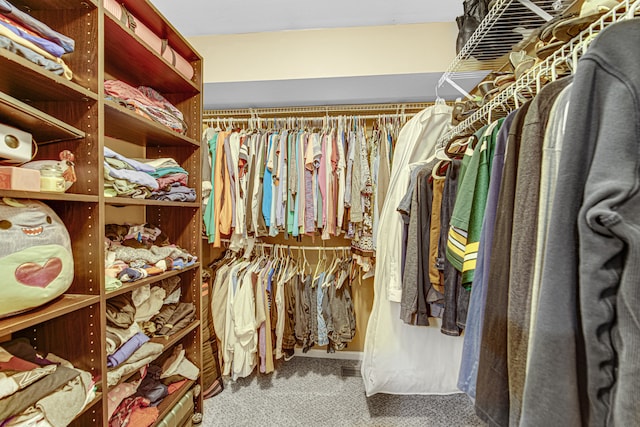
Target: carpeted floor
{"points": [[314, 392]]}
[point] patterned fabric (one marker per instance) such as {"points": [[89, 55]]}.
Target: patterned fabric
{"points": [[12, 382], [156, 108], [122, 415]]}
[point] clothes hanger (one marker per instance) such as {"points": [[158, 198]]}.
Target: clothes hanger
{"points": [[306, 264], [460, 143], [554, 68], [331, 269], [321, 262]]}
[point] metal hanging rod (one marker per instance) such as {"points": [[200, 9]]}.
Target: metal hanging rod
{"points": [[302, 247], [214, 120], [367, 108], [529, 84]]}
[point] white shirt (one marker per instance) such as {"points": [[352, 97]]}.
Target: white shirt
{"points": [[416, 142]]}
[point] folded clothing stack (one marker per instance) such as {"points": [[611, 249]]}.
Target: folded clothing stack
{"points": [[134, 252], [135, 403], [37, 390], [26, 36], [159, 179], [132, 319], [147, 102]]}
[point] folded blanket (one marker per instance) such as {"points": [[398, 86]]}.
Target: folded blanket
{"points": [[126, 350], [12, 381], [22, 399], [134, 176], [61, 406], [6, 32], [144, 355], [117, 336], [164, 182]]}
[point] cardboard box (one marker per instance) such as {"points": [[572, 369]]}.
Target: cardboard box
{"points": [[15, 178]]}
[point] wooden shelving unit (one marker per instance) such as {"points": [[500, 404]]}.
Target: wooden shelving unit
{"points": [[125, 124], [45, 129], [73, 115], [123, 201], [67, 303], [129, 286], [168, 343], [172, 399]]}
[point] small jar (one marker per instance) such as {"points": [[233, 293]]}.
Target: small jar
{"points": [[51, 179]]}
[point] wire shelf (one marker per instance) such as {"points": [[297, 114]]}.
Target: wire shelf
{"points": [[562, 61], [328, 109], [509, 24]]}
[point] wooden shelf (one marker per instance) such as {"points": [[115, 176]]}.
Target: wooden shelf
{"points": [[149, 68], [152, 18], [38, 195], [75, 115], [175, 338], [43, 127], [130, 286], [168, 402], [89, 405], [30, 82], [67, 303], [54, 4], [167, 343], [122, 123], [124, 201]]}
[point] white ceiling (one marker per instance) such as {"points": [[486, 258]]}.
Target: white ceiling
{"points": [[204, 17]]}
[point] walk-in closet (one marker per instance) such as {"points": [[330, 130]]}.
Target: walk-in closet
{"points": [[283, 213]]}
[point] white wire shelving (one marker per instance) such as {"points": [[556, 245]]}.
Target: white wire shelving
{"points": [[561, 62], [509, 25]]}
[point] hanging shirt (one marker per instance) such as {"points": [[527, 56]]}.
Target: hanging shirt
{"points": [[468, 212], [209, 212], [309, 188], [219, 188], [341, 177], [302, 192], [267, 184]]}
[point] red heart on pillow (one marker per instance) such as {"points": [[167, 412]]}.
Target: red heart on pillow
{"points": [[32, 274]]}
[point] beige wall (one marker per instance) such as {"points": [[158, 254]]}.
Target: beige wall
{"points": [[323, 53]]}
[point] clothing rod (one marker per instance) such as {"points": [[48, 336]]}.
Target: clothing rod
{"points": [[266, 119], [306, 248], [321, 109]]}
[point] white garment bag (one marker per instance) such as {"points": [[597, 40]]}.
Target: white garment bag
{"points": [[400, 358]]}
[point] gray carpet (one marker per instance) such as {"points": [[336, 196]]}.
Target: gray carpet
{"points": [[314, 392]]}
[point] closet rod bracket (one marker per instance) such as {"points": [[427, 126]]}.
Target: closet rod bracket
{"points": [[536, 9], [458, 88]]}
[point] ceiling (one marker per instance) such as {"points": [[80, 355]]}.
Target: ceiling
{"points": [[206, 17], [211, 17]]}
